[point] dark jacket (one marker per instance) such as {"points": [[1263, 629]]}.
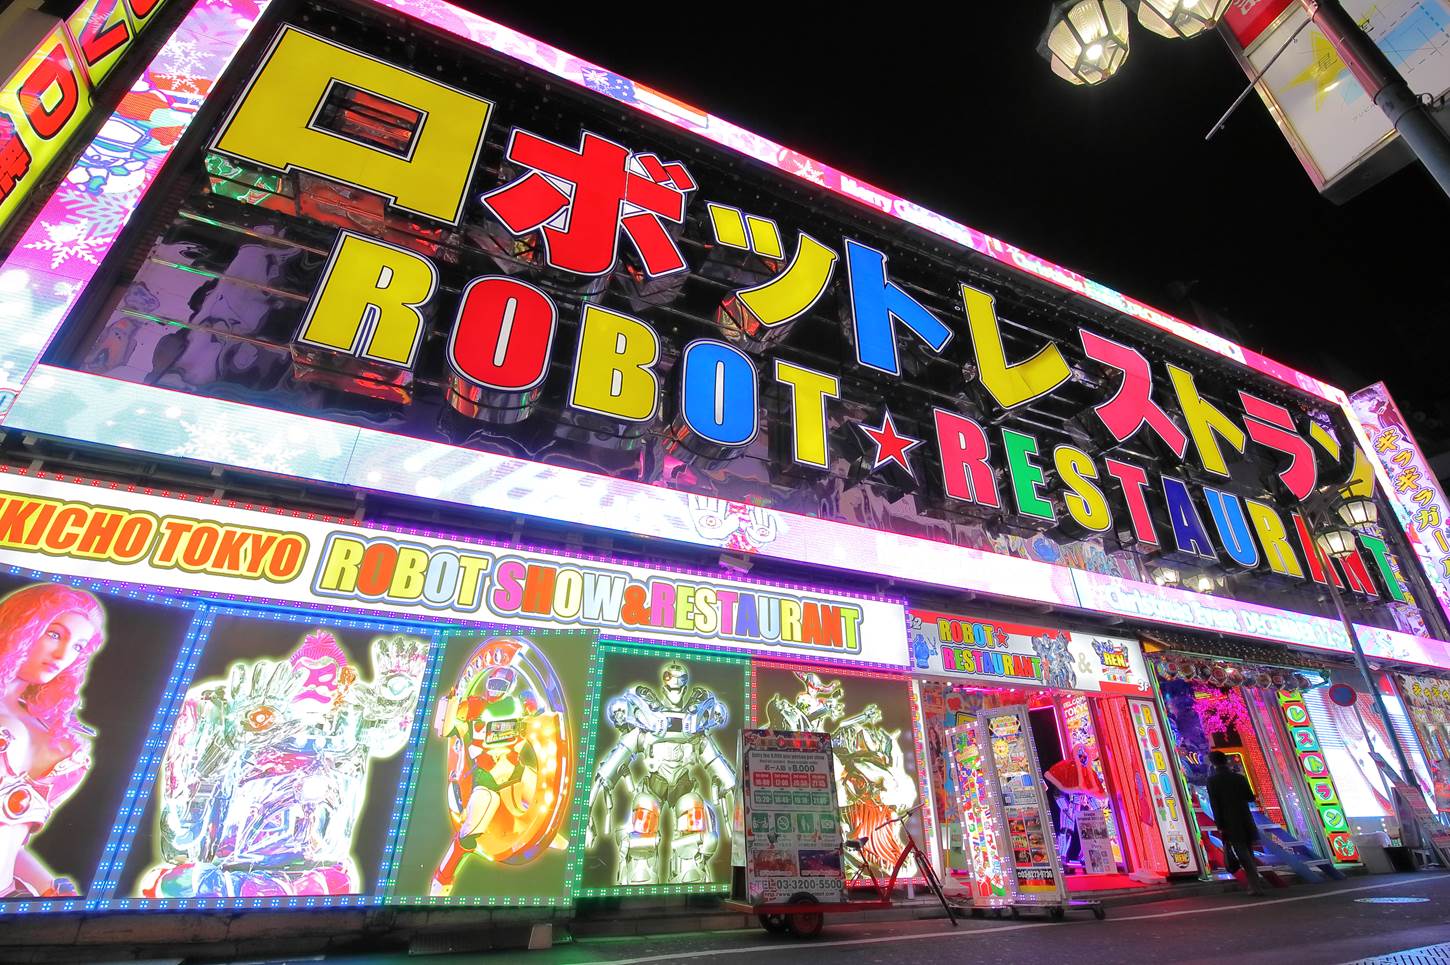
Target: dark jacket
{"points": [[1229, 795]]}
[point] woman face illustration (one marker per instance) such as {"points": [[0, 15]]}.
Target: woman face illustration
{"points": [[59, 645]]}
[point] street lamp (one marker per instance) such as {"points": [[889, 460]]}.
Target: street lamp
{"points": [[1180, 18], [1086, 41], [1339, 543], [1356, 511]]}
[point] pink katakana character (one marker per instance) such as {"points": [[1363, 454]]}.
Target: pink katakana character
{"points": [[1271, 425], [1132, 406]]}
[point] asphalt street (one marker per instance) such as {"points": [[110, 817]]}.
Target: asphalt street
{"points": [[1330, 924]]}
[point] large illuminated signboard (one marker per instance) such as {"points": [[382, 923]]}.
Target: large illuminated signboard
{"points": [[262, 758], [49, 96], [131, 536], [371, 276]]}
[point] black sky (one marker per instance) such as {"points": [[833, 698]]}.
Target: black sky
{"points": [[958, 112]]}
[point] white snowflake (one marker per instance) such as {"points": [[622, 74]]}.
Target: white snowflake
{"points": [[181, 61], [71, 239], [214, 440]]}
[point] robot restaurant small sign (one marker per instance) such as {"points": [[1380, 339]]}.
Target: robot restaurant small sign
{"points": [[1009, 654]]}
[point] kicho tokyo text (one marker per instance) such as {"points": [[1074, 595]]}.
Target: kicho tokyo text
{"points": [[79, 530]]}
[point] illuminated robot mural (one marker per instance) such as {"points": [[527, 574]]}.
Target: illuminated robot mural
{"points": [[812, 707], [872, 783], [672, 830], [506, 725], [266, 771]]}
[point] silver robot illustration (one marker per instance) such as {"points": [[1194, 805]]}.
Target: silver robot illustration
{"points": [[267, 771], [670, 766]]}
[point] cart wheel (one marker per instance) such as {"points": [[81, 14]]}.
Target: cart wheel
{"points": [[774, 924], [1057, 913], [1100, 913], [806, 924]]}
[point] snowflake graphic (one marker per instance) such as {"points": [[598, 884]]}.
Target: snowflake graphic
{"points": [[105, 212], [213, 440], [181, 62], [71, 239]]}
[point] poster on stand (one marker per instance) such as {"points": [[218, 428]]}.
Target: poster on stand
{"points": [[792, 829], [1018, 789], [872, 727], [981, 825]]}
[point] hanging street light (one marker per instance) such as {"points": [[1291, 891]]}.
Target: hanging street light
{"points": [[1086, 41], [1338, 543], [1179, 18], [1356, 511]]}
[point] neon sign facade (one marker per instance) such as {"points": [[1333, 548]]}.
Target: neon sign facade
{"points": [[750, 375]]}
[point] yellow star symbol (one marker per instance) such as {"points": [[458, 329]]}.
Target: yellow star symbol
{"points": [[1324, 68]]}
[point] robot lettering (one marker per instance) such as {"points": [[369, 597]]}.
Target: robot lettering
{"points": [[672, 830]]}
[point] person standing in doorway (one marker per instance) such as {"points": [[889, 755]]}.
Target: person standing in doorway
{"points": [[1229, 795]]}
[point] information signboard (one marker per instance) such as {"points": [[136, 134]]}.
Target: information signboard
{"points": [[792, 830]]}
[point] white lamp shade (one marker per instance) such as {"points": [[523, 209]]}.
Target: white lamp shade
{"points": [[1180, 18], [1087, 40], [1337, 543]]}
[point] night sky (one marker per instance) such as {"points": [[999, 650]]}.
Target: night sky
{"points": [[958, 112]]}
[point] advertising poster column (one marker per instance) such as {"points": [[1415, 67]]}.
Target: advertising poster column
{"points": [[792, 831], [1017, 788], [982, 829]]}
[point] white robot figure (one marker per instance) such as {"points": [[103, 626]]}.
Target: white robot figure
{"points": [[672, 830]]}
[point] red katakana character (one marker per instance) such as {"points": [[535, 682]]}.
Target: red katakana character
{"points": [[14, 157], [581, 197], [1271, 425], [1387, 440], [1132, 406]]}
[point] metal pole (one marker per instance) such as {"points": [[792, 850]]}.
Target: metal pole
{"points": [[1383, 83], [1408, 773]]}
